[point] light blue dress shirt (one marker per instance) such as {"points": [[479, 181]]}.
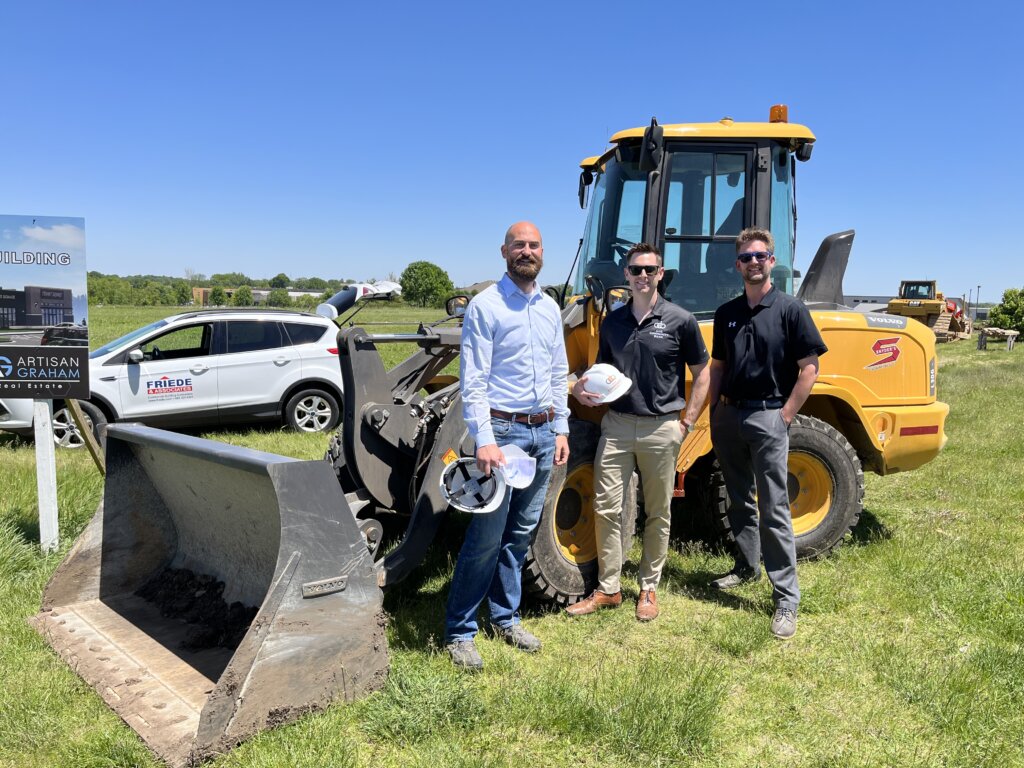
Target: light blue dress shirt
{"points": [[513, 358]]}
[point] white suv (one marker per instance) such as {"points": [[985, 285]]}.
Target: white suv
{"points": [[210, 368]]}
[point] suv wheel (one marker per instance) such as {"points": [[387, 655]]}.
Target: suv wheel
{"points": [[312, 410], [65, 431]]}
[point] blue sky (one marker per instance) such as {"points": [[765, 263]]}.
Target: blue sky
{"points": [[313, 138]]}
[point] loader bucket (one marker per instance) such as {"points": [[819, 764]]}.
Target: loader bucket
{"points": [[180, 516]]}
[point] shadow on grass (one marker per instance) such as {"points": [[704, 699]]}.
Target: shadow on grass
{"points": [[869, 529]]}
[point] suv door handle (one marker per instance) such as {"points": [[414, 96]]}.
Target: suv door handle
{"points": [[282, 360], [199, 368]]}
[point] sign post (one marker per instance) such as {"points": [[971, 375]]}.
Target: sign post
{"points": [[46, 474], [44, 335]]}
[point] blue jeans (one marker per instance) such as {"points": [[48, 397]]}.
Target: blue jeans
{"points": [[490, 563]]}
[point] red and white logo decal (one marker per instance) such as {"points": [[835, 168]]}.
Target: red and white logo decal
{"points": [[888, 350]]}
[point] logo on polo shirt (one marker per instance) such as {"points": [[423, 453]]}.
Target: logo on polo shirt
{"points": [[660, 325]]}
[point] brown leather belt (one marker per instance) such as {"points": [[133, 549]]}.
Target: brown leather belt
{"points": [[525, 418]]}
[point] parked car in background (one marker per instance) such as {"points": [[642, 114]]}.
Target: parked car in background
{"points": [[209, 368], [65, 335]]}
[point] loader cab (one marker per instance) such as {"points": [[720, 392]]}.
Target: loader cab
{"points": [[710, 181]]}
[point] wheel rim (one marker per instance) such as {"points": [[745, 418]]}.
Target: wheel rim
{"points": [[574, 516], [811, 489], [313, 414], [65, 431]]}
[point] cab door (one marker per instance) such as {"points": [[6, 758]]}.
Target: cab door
{"points": [[176, 383]]}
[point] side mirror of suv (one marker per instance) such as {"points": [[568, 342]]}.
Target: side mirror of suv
{"points": [[135, 356]]}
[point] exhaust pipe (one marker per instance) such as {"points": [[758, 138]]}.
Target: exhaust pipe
{"points": [[195, 545]]}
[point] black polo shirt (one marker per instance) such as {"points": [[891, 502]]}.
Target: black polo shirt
{"points": [[761, 346], [653, 354]]}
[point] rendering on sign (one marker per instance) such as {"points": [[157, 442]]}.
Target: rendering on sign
{"points": [[44, 323]]}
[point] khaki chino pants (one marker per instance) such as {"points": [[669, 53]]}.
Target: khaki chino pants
{"points": [[650, 444]]}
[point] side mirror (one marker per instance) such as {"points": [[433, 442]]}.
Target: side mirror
{"points": [[555, 294], [456, 305], [136, 356], [653, 147], [617, 297], [803, 152], [586, 179]]}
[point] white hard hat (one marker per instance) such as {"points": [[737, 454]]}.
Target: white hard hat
{"points": [[519, 468], [468, 489], [607, 381]]}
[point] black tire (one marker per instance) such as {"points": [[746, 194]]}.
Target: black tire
{"points": [[65, 431], [826, 486], [702, 514], [312, 410], [561, 565]]}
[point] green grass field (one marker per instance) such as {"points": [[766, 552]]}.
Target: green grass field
{"points": [[910, 650]]}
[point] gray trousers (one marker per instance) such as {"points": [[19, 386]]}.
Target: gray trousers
{"points": [[752, 448]]}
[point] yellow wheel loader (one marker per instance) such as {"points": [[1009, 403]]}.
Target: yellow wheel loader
{"points": [[219, 590]]}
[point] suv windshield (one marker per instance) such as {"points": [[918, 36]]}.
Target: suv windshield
{"points": [[127, 339]]}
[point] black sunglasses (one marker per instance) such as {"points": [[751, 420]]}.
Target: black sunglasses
{"points": [[759, 255], [638, 269]]}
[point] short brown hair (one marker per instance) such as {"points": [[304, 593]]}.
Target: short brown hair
{"points": [[750, 234], [643, 248]]}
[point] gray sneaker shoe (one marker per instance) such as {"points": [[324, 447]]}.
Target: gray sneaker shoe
{"points": [[784, 623], [465, 655], [519, 638], [735, 578]]}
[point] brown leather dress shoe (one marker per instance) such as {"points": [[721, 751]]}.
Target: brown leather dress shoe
{"points": [[646, 606], [596, 599]]}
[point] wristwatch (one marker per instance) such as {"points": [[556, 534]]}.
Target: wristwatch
{"points": [[687, 428]]}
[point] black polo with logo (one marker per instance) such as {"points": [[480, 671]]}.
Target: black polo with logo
{"points": [[761, 346], [653, 354]]}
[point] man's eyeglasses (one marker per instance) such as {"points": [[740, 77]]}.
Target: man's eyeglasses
{"points": [[761, 256], [640, 269]]}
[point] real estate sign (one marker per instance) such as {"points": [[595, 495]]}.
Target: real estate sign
{"points": [[44, 324]]}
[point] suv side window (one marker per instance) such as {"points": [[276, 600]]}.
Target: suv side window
{"points": [[253, 335], [304, 333], [190, 341]]}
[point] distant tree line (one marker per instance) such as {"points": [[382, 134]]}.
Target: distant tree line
{"points": [[423, 284], [150, 290]]}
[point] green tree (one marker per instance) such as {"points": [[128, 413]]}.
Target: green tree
{"points": [[281, 280], [182, 293], [243, 297], [229, 279], [425, 284], [217, 297], [1009, 314], [307, 302], [279, 298]]}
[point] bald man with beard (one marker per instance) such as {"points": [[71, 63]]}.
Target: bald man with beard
{"points": [[513, 377]]}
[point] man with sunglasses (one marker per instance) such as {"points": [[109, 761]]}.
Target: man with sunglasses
{"points": [[652, 341], [764, 361], [513, 371]]}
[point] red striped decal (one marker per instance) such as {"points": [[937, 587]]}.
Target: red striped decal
{"points": [[908, 431]]}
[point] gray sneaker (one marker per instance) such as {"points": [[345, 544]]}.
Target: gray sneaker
{"points": [[784, 623], [735, 578], [519, 638], [465, 655]]}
